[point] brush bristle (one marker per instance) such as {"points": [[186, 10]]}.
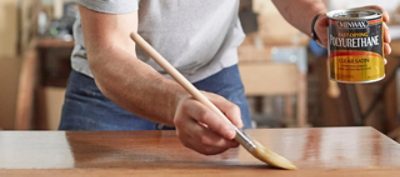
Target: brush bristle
{"points": [[272, 158]]}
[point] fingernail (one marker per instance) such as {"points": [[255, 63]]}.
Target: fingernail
{"points": [[240, 124]]}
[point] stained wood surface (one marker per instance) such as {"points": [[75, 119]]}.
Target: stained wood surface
{"points": [[329, 152]]}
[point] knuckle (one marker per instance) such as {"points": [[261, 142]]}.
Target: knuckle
{"points": [[185, 104], [220, 126], [219, 97], [215, 97], [235, 108], [204, 115], [178, 120], [230, 106]]}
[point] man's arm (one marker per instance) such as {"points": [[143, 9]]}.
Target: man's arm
{"points": [[138, 88], [119, 74], [300, 13]]}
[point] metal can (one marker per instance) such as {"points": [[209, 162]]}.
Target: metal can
{"points": [[355, 50]]}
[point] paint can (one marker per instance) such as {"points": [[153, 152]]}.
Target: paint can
{"points": [[355, 46]]}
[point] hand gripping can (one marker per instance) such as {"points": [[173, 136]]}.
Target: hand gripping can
{"points": [[355, 50]]}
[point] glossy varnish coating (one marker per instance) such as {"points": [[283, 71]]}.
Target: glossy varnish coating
{"points": [[317, 152]]}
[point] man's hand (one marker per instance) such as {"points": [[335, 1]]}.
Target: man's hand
{"points": [[202, 130], [321, 28]]}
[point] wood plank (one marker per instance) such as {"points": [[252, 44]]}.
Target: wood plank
{"points": [[262, 78], [301, 106], [334, 107], [272, 79], [8, 28], [9, 74], [316, 151]]}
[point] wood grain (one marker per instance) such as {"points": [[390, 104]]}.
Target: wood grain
{"points": [[356, 151]]}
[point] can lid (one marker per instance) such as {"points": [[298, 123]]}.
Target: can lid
{"points": [[355, 14]]}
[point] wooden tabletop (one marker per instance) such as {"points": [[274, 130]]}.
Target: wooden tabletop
{"points": [[355, 151]]}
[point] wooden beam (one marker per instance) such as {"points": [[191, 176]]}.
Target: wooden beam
{"points": [[26, 91]]}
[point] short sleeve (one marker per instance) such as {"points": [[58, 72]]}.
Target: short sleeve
{"points": [[111, 6]]}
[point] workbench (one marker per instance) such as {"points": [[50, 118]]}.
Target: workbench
{"points": [[354, 151]]}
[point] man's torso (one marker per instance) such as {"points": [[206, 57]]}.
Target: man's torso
{"points": [[198, 37]]}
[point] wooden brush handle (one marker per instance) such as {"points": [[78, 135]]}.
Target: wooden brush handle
{"points": [[179, 77]]}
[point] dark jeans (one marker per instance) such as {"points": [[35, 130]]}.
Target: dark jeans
{"points": [[86, 108]]}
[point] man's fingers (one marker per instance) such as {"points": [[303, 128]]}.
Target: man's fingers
{"points": [[207, 150], [386, 33], [201, 139], [231, 110], [386, 17], [387, 48], [207, 137], [203, 114], [386, 39], [192, 140]]}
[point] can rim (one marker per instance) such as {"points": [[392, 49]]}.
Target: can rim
{"points": [[359, 82], [340, 14]]}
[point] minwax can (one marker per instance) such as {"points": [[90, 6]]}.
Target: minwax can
{"points": [[355, 50]]}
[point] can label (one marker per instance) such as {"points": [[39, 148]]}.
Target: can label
{"points": [[356, 46]]}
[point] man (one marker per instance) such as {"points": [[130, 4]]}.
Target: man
{"points": [[112, 87]]}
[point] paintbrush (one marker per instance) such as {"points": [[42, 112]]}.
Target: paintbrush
{"points": [[255, 148]]}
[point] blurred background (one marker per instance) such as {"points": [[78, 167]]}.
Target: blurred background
{"points": [[284, 72]]}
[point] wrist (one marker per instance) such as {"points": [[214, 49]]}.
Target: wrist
{"points": [[313, 33], [178, 95]]}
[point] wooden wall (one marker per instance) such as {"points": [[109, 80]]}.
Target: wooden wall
{"points": [[9, 73], [8, 28], [15, 24], [9, 64]]}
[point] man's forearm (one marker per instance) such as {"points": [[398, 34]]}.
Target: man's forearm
{"points": [[135, 86], [300, 13]]}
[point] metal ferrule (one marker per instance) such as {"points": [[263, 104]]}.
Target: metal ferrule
{"points": [[245, 140]]}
